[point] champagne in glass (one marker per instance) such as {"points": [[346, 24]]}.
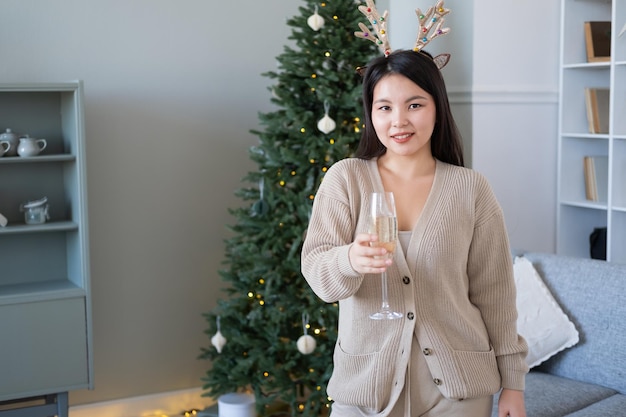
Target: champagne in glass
{"points": [[384, 223]]}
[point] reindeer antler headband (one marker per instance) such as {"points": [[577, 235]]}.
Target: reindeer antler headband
{"points": [[430, 27]]}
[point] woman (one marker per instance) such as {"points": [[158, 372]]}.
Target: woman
{"points": [[452, 275]]}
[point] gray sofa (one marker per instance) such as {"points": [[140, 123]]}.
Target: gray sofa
{"points": [[588, 379]]}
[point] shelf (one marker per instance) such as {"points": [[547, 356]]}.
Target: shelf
{"points": [[39, 228], [586, 204], [588, 65], [594, 136], [41, 291], [37, 159]]}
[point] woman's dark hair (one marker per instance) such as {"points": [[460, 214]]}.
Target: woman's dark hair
{"points": [[419, 67]]}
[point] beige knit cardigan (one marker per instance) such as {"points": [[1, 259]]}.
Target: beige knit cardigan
{"points": [[455, 288]]}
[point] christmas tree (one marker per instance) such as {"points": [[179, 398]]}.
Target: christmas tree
{"points": [[271, 334]]}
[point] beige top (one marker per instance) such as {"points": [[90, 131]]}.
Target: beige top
{"points": [[455, 287]]}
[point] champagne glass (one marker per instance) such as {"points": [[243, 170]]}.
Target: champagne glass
{"points": [[384, 223]]}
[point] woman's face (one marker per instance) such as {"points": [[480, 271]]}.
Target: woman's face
{"points": [[403, 115]]}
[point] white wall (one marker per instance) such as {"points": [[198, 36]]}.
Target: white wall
{"points": [[514, 113], [172, 89]]}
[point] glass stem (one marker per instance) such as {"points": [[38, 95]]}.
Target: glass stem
{"points": [[385, 305]]}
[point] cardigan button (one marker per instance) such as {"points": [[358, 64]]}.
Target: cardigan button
{"points": [[410, 315], [437, 381], [406, 280], [427, 351]]}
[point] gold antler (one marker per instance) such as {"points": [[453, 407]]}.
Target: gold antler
{"points": [[379, 24], [434, 18]]}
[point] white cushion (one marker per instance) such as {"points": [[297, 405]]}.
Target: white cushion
{"points": [[541, 321]]}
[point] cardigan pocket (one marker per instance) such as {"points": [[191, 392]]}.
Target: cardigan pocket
{"points": [[357, 380], [480, 373]]}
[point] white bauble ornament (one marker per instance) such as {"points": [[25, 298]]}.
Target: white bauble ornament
{"points": [[315, 21], [218, 341], [306, 344], [326, 124]]}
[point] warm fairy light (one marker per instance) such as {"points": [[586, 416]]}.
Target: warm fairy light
{"points": [[312, 89], [313, 75], [302, 130], [250, 295], [281, 224], [327, 158], [332, 141], [266, 374], [324, 169], [258, 296], [300, 407], [318, 388], [356, 129], [261, 281], [312, 160], [282, 183], [189, 413], [311, 197], [327, 54], [317, 331], [293, 173], [323, 4], [261, 302], [311, 370], [336, 17]]}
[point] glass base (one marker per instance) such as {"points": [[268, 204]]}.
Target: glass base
{"points": [[386, 315]]}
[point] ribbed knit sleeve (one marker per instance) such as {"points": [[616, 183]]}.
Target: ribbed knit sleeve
{"points": [[492, 286], [331, 231]]}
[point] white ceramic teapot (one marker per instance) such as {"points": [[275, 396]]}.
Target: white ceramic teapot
{"points": [[30, 146]]}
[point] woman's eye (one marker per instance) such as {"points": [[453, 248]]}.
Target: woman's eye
{"points": [[415, 106], [384, 108]]}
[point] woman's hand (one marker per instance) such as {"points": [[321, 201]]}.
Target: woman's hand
{"points": [[365, 258], [511, 403]]}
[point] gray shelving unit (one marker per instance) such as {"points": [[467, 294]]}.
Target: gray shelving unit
{"points": [[577, 216], [45, 303]]}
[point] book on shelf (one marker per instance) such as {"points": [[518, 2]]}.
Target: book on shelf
{"points": [[596, 169], [597, 101], [598, 41]]}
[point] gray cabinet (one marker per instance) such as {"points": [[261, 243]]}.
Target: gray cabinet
{"points": [[45, 307]]}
